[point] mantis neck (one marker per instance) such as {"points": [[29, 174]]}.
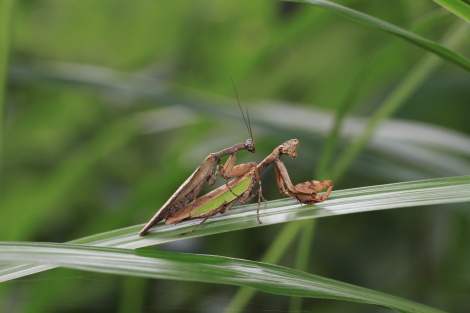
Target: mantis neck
{"points": [[269, 159]]}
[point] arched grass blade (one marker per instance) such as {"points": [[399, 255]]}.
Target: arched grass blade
{"points": [[458, 7], [202, 268], [356, 200]]}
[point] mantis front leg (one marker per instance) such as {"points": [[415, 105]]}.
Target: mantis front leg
{"points": [[306, 192], [230, 170]]}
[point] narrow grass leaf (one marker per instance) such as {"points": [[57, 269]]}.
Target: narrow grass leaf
{"points": [[458, 7], [374, 22], [202, 268], [356, 200]]}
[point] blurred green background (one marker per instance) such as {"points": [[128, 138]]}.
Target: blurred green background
{"points": [[110, 106]]}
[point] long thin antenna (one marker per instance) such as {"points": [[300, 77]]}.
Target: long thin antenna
{"points": [[247, 122]]}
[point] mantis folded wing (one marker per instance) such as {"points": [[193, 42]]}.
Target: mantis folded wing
{"points": [[219, 200]]}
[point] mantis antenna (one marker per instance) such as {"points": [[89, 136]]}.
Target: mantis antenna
{"points": [[247, 118]]}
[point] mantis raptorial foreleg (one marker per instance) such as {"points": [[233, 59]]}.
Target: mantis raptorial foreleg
{"points": [[230, 170], [306, 192]]}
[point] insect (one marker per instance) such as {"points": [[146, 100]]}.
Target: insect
{"points": [[221, 199], [246, 176], [208, 170]]}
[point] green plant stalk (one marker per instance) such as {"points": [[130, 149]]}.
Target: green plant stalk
{"points": [[132, 294], [6, 12], [397, 98], [302, 257], [327, 153], [272, 256]]}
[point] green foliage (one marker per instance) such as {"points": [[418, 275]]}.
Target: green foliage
{"points": [[458, 7], [110, 105]]}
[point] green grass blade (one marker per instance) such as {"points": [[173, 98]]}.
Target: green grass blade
{"points": [[202, 268], [374, 22], [356, 200], [458, 7]]}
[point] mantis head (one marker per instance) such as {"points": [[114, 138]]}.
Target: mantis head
{"points": [[250, 145], [289, 147]]}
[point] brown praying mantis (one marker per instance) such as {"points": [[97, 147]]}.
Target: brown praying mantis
{"points": [[246, 176], [221, 199]]}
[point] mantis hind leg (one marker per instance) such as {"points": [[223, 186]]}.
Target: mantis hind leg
{"points": [[260, 196], [245, 197], [195, 228]]}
